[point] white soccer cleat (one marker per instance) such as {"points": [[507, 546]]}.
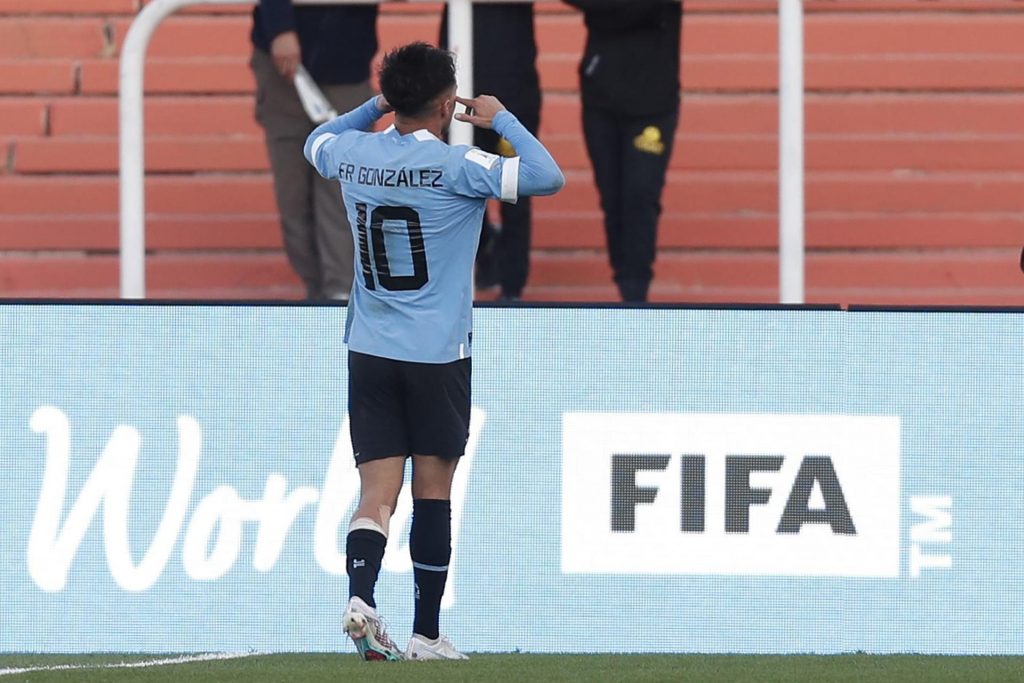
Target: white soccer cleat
{"points": [[367, 632], [421, 648]]}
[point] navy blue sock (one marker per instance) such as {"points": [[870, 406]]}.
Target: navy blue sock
{"points": [[430, 544], [365, 550]]}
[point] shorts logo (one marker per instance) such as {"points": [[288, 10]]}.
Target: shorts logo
{"points": [[745, 494]]}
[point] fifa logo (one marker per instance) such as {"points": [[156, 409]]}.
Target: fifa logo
{"points": [[740, 494], [816, 475]]}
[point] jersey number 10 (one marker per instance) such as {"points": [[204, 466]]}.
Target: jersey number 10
{"points": [[397, 215]]}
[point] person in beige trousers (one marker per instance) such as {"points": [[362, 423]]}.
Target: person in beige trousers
{"points": [[336, 45]]}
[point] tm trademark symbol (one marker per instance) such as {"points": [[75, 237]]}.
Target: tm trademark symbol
{"points": [[935, 532]]}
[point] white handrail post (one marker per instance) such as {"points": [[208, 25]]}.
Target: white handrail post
{"points": [[460, 41], [131, 126], [132, 152], [791, 152], [132, 169]]}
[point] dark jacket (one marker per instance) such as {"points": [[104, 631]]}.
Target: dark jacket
{"points": [[504, 48], [631, 61], [337, 41]]}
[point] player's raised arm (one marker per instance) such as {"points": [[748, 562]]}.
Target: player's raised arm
{"points": [[538, 173], [360, 118]]}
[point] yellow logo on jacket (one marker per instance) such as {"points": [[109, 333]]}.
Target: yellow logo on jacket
{"points": [[505, 148], [650, 141]]}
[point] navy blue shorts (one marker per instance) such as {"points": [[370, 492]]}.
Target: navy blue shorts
{"points": [[400, 408]]}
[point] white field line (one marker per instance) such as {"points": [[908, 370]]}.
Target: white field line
{"points": [[184, 659]]}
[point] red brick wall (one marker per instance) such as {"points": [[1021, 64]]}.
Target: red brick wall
{"points": [[915, 155]]}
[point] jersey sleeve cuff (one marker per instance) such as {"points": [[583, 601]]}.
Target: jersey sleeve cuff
{"points": [[321, 140], [510, 180]]}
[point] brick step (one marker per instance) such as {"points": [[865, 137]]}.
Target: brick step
{"points": [[551, 230], [182, 271], [34, 77], [845, 34], [875, 72], [853, 114], [669, 293], [989, 277], [858, 33], [189, 75], [596, 294], [823, 230], [826, 191], [163, 154], [686, 191], [215, 195], [825, 151], [43, 38], [22, 116], [942, 152], [693, 7], [183, 35], [847, 114], [214, 115], [69, 6], [833, 33], [100, 232], [913, 270], [719, 74], [851, 6]]}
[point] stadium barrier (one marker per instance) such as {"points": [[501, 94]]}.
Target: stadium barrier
{"points": [[178, 478], [460, 38]]}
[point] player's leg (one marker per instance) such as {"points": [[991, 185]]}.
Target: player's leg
{"points": [[380, 447], [379, 484], [647, 150], [430, 539], [513, 248], [430, 544], [439, 421], [603, 136], [333, 239], [486, 273], [285, 126], [380, 481]]}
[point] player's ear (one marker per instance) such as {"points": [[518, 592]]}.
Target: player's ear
{"points": [[448, 104]]}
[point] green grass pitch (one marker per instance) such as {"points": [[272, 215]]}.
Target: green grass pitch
{"points": [[499, 668]]}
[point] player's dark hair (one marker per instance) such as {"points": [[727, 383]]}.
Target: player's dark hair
{"points": [[413, 75]]}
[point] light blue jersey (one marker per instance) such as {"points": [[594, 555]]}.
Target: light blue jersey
{"points": [[416, 207]]}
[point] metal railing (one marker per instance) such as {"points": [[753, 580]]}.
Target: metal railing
{"points": [[791, 152], [460, 40]]}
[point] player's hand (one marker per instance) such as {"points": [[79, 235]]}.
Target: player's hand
{"points": [[480, 110], [286, 54], [383, 106]]}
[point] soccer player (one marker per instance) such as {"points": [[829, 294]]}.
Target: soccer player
{"points": [[416, 206]]}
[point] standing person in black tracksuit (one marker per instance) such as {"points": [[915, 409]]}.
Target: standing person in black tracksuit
{"points": [[629, 81], [336, 44], [505, 66]]}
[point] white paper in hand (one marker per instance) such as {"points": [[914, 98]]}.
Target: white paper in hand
{"points": [[318, 109]]}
